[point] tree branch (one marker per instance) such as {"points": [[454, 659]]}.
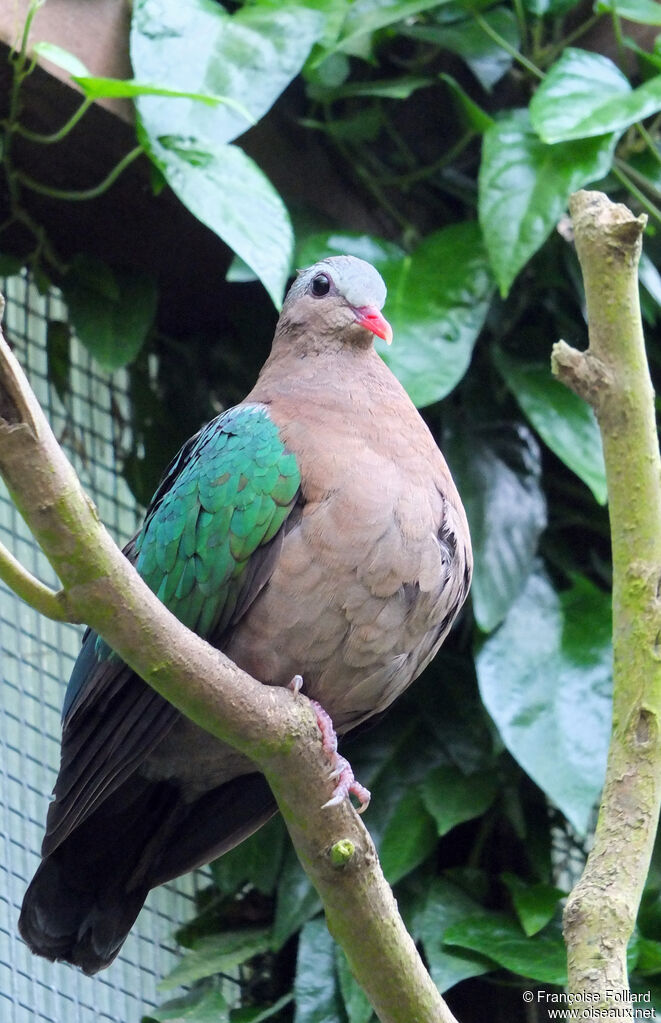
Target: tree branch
{"points": [[613, 375], [277, 731]]}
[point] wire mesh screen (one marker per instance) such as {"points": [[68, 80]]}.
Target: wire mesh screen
{"points": [[36, 657]]}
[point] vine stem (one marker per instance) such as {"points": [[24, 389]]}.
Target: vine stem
{"points": [[505, 45], [623, 177], [74, 195], [56, 136], [613, 376]]}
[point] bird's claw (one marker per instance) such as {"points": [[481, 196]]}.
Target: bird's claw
{"points": [[296, 685], [340, 767]]}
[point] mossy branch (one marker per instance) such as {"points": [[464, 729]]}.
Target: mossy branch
{"points": [[270, 725], [613, 376]]}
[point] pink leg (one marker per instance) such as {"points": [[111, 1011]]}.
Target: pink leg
{"points": [[341, 768]]}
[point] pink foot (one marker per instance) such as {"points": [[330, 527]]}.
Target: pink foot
{"points": [[341, 768]]}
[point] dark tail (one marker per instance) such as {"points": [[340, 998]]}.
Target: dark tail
{"points": [[87, 893]]}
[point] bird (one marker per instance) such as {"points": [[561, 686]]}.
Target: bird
{"points": [[312, 533]]}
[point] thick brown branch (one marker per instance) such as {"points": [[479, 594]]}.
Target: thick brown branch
{"points": [[277, 731], [602, 908]]}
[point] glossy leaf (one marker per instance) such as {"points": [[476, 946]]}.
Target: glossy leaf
{"points": [[356, 1002], [586, 95], [573, 89], [111, 309], [446, 905], [60, 57], [367, 16], [409, 837], [196, 46], [545, 678], [524, 186], [437, 316], [217, 953], [98, 88], [565, 422], [542, 7], [499, 478], [258, 860], [645, 12], [228, 192], [452, 797], [542, 958], [197, 1006], [378, 251], [486, 58], [316, 993], [535, 904], [475, 117]]}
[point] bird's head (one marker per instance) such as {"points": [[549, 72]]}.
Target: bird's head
{"points": [[341, 296]]}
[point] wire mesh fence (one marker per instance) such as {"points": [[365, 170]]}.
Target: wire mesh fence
{"points": [[36, 656]]}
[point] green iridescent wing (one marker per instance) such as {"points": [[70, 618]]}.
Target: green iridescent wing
{"points": [[210, 541], [207, 525]]}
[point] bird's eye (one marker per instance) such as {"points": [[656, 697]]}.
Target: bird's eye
{"points": [[320, 285]]}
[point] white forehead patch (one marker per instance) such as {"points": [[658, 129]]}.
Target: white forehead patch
{"points": [[356, 280]]}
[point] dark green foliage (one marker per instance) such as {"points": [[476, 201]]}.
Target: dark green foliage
{"points": [[454, 134]]}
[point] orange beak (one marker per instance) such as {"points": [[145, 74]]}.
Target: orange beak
{"points": [[369, 317]]}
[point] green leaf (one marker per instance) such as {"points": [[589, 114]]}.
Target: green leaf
{"points": [[316, 992], [542, 958], [228, 192], [259, 1014], [487, 59], [408, 839], [499, 477], [297, 900], [447, 905], [395, 88], [645, 12], [524, 186], [58, 356], [367, 16], [217, 953], [585, 95], [650, 278], [318, 246], [196, 46], [565, 422], [199, 1006], [60, 57], [535, 904], [97, 88], [111, 309], [476, 118], [257, 860], [545, 678], [649, 957], [10, 266], [356, 1002], [436, 317], [452, 797]]}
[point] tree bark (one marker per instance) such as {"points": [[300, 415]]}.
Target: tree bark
{"points": [[275, 729], [613, 376]]}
